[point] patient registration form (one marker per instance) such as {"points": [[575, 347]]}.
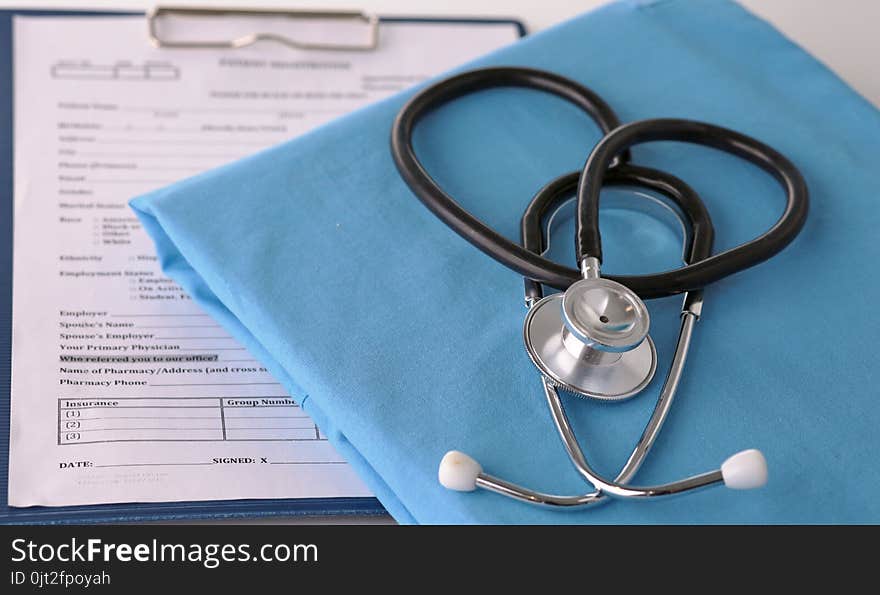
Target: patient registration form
{"points": [[122, 389]]}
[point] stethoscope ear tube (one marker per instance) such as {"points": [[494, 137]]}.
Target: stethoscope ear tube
{"points": [[744, 470]]}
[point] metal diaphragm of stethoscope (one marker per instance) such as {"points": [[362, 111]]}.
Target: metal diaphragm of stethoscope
{"points": [[592, 339]]}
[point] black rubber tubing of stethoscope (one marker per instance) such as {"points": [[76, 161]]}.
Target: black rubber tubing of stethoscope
{"points": [[717, 266], [700, 233], [616, 142]]}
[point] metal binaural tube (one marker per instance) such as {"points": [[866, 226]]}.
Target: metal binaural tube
{"points": [[590, 268], [690, 314], [512, 490], [612, 487], [667, 394]]}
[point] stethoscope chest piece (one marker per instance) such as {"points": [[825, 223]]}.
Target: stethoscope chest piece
{"points": [[592, 340]]}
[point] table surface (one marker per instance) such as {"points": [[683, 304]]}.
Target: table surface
{"points": [[841, 33]]}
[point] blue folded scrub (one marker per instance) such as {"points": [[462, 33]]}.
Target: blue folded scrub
{"points": [[403, 341]]}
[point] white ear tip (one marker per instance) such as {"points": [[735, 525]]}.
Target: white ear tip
{"points": [[745, 470], [458, 472]]}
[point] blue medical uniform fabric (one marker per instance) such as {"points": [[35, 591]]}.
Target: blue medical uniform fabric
{"points": [[403, 341]]}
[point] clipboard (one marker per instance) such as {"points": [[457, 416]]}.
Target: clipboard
{"points": [[139, 512]]}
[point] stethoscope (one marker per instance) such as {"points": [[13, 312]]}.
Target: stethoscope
{"points": [[592, 339]]}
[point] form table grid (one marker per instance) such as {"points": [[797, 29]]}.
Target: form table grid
{"points": [[182, 419]]}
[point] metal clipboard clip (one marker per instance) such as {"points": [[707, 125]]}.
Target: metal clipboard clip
{"points": [[370, 23]]}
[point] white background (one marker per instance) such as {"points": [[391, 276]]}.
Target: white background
{"points": [[841, 33]]}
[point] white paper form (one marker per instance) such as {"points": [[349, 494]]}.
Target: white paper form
{"points": [[122, 389]]}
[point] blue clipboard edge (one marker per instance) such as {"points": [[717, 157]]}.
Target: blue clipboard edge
{"points": [[115, 513]]}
